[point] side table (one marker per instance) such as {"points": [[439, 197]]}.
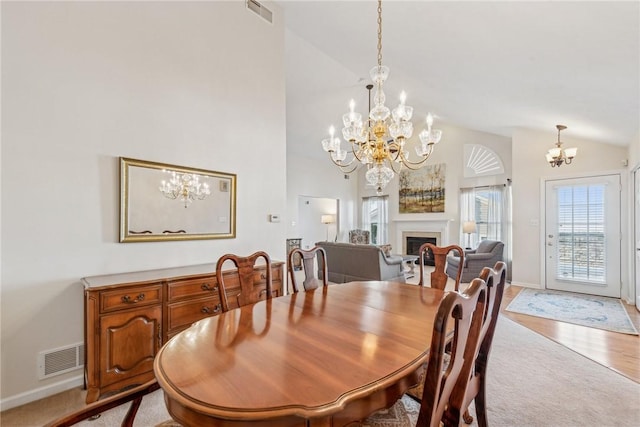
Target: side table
{"points": [[410, 261]]}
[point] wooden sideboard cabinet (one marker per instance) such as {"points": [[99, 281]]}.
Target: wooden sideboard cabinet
{"points": [[129, 316]]}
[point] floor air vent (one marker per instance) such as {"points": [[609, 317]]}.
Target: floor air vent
{"points": [[260, 10], [60, 360]]}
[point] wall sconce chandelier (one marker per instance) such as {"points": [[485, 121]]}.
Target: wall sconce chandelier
{"points": [[557, 156], [185, 187], [369, 139]]}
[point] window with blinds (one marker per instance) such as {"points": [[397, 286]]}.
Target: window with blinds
{"points": [[581, 233], [488, 206]]}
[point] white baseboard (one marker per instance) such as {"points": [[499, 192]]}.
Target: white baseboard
{"points": [[41, 392], [527, 285]]}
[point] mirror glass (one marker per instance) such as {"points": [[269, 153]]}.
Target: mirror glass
{"points": [[159, 201]]}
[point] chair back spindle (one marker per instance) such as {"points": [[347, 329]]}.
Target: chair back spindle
{"points": [[308, 260], [439, 275], [248, 294]]}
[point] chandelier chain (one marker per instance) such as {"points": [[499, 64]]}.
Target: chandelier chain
{"points": [[379, 33]]}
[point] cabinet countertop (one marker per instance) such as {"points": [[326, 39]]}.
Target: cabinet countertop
{"points": [[105, 280]]}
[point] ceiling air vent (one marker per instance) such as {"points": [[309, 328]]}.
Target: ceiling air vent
{"points": [[260, 10]]}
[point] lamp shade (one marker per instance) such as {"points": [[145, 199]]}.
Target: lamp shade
{"points": [[469, 227], [327, 219]]}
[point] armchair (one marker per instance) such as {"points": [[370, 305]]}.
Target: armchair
{"points": [[486, 254]]}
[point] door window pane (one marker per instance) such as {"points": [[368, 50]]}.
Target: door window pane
{"points": [[581, 236]]}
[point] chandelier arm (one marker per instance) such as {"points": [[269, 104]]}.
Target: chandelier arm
{"points": [[340, 164], [397, 171], [349, 171], [408, 163], [413, 165], [354, 151]]}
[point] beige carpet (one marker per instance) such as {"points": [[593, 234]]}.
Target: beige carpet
{"points": [[533, 382]]}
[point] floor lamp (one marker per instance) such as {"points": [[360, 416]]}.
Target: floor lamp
{"points": [[468, 228], [327, 219]]}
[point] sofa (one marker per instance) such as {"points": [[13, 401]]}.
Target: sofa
{"points": [[347, 262], [486, 254]]}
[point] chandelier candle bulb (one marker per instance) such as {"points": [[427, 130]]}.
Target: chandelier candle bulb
{"points": [[369, 139]]}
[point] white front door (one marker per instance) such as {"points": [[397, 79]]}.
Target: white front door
{"points": [[582, 235]]}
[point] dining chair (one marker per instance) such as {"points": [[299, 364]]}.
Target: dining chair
{"points": [[308, 258], [439, 275], [248, 293], [473, 381], [466, 311], [133, 395]]}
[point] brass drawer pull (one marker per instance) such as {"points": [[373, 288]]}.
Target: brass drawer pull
{"points": [[207, 310], [263, 276], [206, 287], [127, 299]]}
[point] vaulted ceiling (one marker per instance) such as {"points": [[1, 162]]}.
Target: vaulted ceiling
{"points": [[490, 66]]}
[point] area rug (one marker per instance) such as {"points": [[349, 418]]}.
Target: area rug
{"points": [[580, 309]]}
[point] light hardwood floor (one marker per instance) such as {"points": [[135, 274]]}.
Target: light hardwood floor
{"points": [[619, 352]]}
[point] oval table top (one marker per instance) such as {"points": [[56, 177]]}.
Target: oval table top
{"points": [[347, 348]]}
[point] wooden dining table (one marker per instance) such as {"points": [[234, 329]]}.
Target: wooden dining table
{"points": [[324, 357]]}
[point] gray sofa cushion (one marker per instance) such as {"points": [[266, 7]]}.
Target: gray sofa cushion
{"points": [[347, 262]]}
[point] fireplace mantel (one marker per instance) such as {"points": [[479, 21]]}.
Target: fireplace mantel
{"points": [[406, 226]]}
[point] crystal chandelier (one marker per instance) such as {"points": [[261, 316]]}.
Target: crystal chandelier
{"points": [[557, 156], [185, 187], [379, 141]]}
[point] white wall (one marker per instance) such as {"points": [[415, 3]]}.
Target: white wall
{"points": [[529, 168], [84, 83]]}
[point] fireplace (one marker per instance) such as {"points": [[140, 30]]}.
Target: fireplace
{"points": [[413, 240]]}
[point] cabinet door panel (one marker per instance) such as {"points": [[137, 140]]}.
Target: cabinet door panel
{"points": [[129, 343]]}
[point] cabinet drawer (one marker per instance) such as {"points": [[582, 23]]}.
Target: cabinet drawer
{"points": [[192, 288], [232, 283], [182, 314], [130, 297], [260, 276]]}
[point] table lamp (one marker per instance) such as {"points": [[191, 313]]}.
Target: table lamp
{"points": [[468, 228]]}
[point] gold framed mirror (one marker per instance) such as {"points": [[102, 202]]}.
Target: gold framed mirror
{"points": [[160, 202]]}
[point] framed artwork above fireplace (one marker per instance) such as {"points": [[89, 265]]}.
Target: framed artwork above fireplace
{"points": [[422, 190]]}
